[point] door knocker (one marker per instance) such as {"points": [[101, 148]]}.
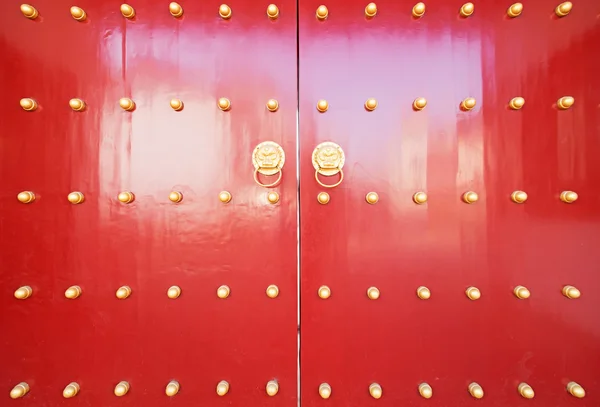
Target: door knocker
{"points": [[328, 160], [268, 159]]}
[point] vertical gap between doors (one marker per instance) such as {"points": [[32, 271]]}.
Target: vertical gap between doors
{"points": [[298, 279]]}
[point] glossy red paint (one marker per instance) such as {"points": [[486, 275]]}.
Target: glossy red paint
{"points": [[151, 244], [449, 341]]}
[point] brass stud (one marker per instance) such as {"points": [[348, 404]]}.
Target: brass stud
{"points": [[518, 197], [476, 390], [224, 196], [419, 103], [175, 196], [224, 104], [372, 198], [28, 104], [375, 390], [75, 197], [121, 389], [22, 293], [470, 197], [467, 9], [225, 11], [420, 198], [373, 293], [568, 196], [272, 105], [371, 104], [175, 9], [126, 197], [78, 14], [515, 10], [176, 104], [418, 10], [371, 10], [29, 11], [273, 197], [571, 292], [222, 388], [324, 390], [425, 391], [223, 292], [19, 390], [563, 9], [322, 105], [272, 291], [73, 292], [127, 104], [324, 292], [127, 11], [322, 12], [172, 388], [174, 292], [77, 105], [26, 197], [272, 11], [123, 292], [565, 102], [71, 390], [468, 103], [576, 390], [323, 198], [272, 388], [473, 294], [516, 103], [423, 293], [526, 391], [521, 292]]}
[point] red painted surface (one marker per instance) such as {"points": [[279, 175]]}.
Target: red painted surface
{"points": [[449, 341], [199, 244]]}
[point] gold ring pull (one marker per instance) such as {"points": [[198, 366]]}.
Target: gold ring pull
{"points": [[328, 160], [332, 185], [274, 184], [268, 158]]}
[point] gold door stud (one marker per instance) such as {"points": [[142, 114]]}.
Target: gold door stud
{"points": [[423, 293], [322, 12], [222, 388], [467, 9], [473, 293], [516, 103], [324, 390], [26, 197], [75, 197], [272, 291], [425, 390], [521, 292], [127, 104], [224, 196], [324, 292], [515, 10], [322, 105], [563, 9], [526, 391], [28, 104], [272, 11], [172, 388], [470, 197], [127, 11], [176, 104], [73, 292], [375, 390], [78, 14], [476, 390], [565, 102], [224, 104], [29, 11], [273, 197], [126, 197], [518, 197], [372, 198], [123, 292], [468, 103], [373, 293], [568, 196], [418, 10], [225, 11], [371, 10], [71, 390], [575, 390], [121, 389], [272, 388], [175, 9], [420, 198], [571, 292], [419, 103], [175, 196], [77, 104], [323, 198], [174, 292], [22, 293], [223, 291], [371, 104], [272, 105], [19, 390]]}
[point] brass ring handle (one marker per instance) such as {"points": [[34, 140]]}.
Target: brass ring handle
{"points": [[330, 186], [274, 184]]}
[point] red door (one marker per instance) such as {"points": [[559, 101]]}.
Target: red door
{"points": [[149, 273], [372, 335]]}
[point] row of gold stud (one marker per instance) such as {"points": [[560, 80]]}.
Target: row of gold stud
{"points": [[123, 292], [272, 105], [122, 388], [129, 12], [325, 390], [323, 198], [322, 13], [324, 292], [472, 293]]}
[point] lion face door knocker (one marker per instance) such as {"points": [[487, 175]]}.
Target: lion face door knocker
{"points": [[268, 159], [328, 159]]}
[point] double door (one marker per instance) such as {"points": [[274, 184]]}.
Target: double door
{"points": [[342, 204]]}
